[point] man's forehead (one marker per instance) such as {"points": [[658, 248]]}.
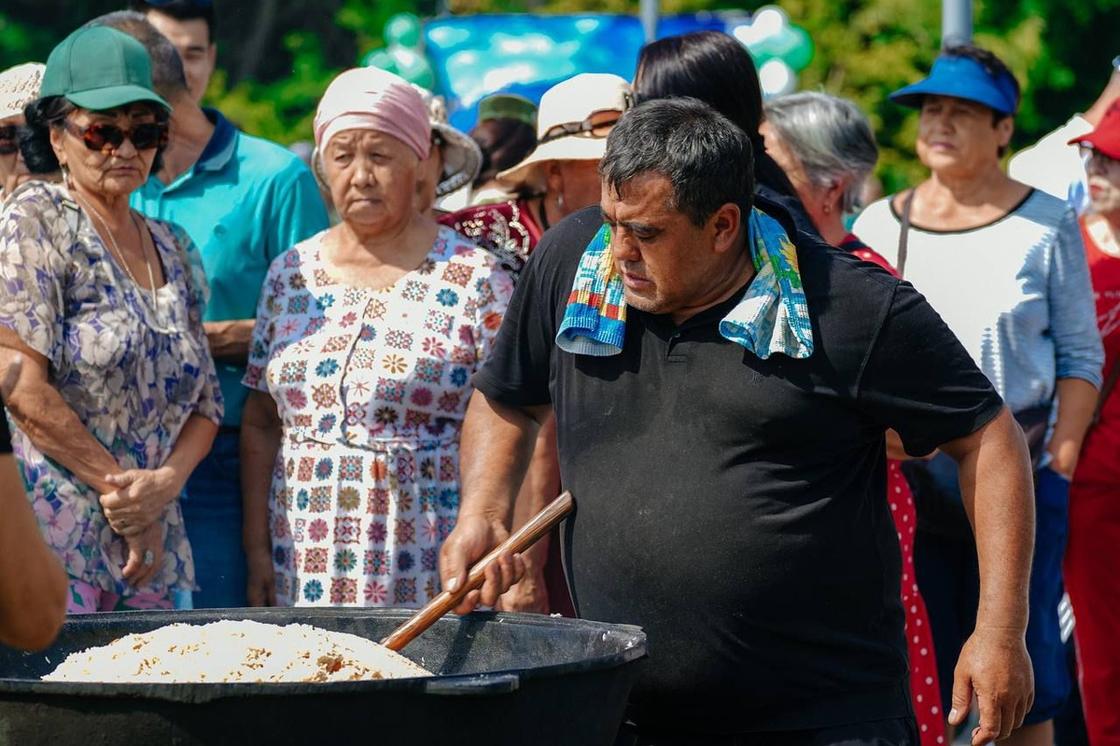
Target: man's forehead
{"points": [[643, 197], [187, 32]]}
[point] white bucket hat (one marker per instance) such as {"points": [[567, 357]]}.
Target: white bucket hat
{"points": [[19, 86], [566, 125], [462, 160]]}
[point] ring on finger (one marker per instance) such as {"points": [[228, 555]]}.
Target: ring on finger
{"points": [[149, 558]]}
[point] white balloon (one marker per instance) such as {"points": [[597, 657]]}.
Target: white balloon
{"points": [[747, 34], [769, 21], [777, 78]]}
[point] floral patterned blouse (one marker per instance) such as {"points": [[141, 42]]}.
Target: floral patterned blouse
{"points": [[371, 386], [133, 374]]}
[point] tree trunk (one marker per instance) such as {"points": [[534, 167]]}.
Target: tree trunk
{"points": [[254, 49]]}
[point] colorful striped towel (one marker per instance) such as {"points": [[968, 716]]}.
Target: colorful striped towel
{"points": [[772, 317]]}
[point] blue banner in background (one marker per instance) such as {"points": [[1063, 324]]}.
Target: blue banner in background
{"points": [[474, 56]]}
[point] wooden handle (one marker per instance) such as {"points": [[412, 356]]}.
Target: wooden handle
{"points": [[524, 538]]}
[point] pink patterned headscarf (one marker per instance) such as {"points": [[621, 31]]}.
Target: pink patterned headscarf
{"points": [[369, 98]]}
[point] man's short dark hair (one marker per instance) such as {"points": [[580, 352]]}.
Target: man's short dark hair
{"points": [[168, 77], [180, 10], [706, 158]]}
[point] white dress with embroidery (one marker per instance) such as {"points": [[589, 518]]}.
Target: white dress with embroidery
{"points": [[371, 387]]}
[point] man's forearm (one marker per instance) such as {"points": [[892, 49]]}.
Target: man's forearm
{"points": [[540, 487], [998, 493], [32, 582], [230, 340], [497, 446]]}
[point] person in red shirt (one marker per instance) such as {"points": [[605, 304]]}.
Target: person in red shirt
{"points": [[1092, 563], [826, 148]]}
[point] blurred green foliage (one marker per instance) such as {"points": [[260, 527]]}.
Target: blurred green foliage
{"points": [[1059, 49]]}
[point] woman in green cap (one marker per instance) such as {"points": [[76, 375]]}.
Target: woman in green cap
{"points": [[118, 398]]}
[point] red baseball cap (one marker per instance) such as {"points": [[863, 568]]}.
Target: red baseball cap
{"points": [[1106, 137]]}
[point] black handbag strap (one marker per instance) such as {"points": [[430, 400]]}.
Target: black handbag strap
{"points": [[1106, 389], [904, 233]]}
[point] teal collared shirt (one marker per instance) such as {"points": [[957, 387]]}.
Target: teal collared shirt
{"points": [[243, 203]]}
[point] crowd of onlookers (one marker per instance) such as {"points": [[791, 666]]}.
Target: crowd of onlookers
{"points": [[235, 378]]}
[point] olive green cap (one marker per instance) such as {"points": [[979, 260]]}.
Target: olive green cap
{"points": [[507, 106]]}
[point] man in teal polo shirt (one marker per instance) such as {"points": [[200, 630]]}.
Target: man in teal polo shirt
{"points": [[244, 201]]}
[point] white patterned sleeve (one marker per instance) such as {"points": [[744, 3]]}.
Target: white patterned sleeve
{"points": [[33, 271], [1073, 312], [269, 308], [495, 289]]}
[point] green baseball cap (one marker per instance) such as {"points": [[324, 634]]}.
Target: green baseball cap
{"points": [[507, 106], [100, 68]]}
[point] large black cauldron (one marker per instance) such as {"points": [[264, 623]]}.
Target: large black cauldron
{"points": [[504, 679]]}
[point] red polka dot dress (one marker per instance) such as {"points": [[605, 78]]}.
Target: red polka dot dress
{"points": [[925, 690]]}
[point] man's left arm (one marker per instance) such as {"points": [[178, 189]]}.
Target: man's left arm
{"points": [[997, 488], [294, 212]]}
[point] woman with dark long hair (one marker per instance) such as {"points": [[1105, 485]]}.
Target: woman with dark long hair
{"points": [[826, 146], [559, 177], [715, 68]]}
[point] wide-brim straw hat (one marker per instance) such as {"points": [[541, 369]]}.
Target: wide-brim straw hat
{"points": [[462, 159], [571, 101], [19, 86]]}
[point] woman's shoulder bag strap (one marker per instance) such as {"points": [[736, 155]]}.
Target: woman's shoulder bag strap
{"points": [[904, 232]]}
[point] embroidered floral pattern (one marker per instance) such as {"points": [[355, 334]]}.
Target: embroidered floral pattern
{"points": [[385, 377]]}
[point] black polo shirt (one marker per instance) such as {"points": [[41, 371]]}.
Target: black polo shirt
{"points": [[736, 507]]}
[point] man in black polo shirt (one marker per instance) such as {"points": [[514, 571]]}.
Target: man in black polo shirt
{"points": [[731, 493]]}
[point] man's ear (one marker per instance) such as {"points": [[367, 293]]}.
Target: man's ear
{"points": [[724, 226], [1005, 128]]}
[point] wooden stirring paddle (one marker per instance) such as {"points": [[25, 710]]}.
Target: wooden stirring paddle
{"points": [[521, 540]]}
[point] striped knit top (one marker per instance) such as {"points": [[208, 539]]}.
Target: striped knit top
{"points": [[1016, 292]]}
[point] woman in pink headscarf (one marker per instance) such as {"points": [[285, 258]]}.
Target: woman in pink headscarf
{"points": [[367, 336]]}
